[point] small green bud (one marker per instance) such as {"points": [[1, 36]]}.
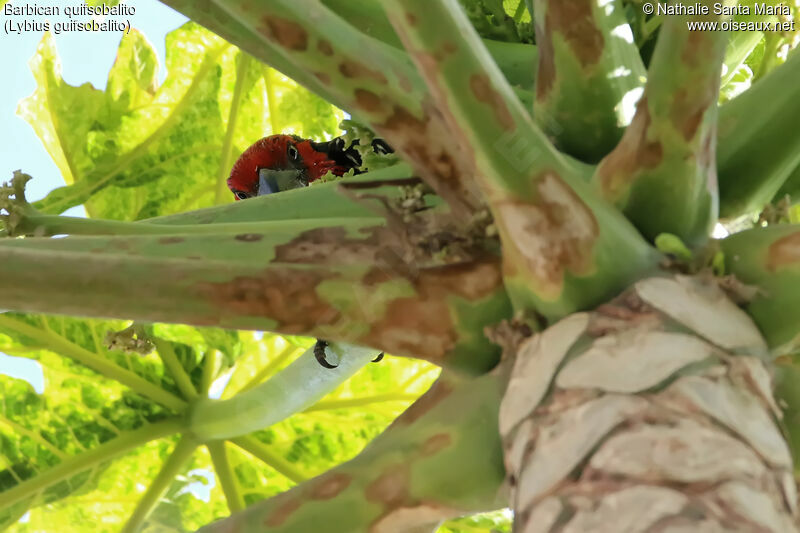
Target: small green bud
{"points": [[672, 244]]}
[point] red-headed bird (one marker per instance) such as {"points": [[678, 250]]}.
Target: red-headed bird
{"points": [[282, 162]]}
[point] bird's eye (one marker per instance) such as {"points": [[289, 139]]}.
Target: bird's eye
{"points": [[241, 195], [293, 154]]}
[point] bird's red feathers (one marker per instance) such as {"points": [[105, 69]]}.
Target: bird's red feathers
{"points": [[272, 152]]}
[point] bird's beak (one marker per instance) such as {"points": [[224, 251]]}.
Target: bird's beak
{"points": [[272, 181]]}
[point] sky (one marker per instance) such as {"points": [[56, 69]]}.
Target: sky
{"points": [[85, 57]]}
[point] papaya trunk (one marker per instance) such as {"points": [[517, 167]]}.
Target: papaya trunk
{"points": [[653, 412]]}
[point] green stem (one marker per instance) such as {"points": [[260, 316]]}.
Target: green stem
{"points": [[457, 82], [92, 458], [210, 365], [349, 403], [227, 480], [650, 26], [230, 280], [759, 151], [662, 173], [97, 363], [49, 225], [262, 452], [272, 102], [242, 68], [169, 470], [175, 368], [327, 199], [294, 389]]}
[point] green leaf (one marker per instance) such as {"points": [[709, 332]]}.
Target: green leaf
{"points": [[76, 416], [133, 79], [61, 115]]}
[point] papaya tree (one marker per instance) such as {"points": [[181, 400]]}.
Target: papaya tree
{"points": [[544, 238]]}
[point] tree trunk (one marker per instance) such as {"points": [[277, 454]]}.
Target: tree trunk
{"points": [[655, 412]]}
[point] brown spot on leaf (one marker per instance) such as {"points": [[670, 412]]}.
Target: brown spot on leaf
{"points": [[785, 252], [287, 295], [633, 154], [482, 88], [556, 234], [411, 18], [390, 489], [422, 325], [402, 120], [249, 237], [354, 70], [689, 107], [286, 33], [119, 244], [440, 55], [325, 47], [434, 150], [412, 136], [436, 443], [283, 510], [574, 20], [697, 48], [418, 517], [329, 486], [404, 82], [332, 246], [170, 240], [368, 101], [323, 77]]}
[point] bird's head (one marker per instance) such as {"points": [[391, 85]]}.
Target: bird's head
{"points": [[278, 163]]}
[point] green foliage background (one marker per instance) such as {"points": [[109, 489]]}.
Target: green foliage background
{"points": [[139, 150]]}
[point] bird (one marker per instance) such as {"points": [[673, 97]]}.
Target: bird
{"points": [[282, 162]]}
